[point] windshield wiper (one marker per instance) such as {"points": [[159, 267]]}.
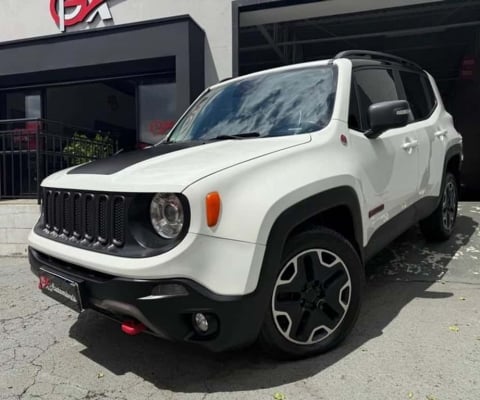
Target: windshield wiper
{"points": [[238, 136]]}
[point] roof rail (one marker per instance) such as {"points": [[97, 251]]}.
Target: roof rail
{"points": [[376, 55], [225, 79]]}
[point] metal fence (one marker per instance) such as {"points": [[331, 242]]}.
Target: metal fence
{"points": [[32, 149]]}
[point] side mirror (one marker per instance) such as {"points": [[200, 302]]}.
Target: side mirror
{"points": [[387, 115]]}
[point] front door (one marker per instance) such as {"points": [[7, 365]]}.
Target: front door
{"points": [[389, 163]]}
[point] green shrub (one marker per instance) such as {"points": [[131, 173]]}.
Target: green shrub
{"points": [[82, 149]]}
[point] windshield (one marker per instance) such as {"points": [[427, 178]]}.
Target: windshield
{"points": [[272, 104]]}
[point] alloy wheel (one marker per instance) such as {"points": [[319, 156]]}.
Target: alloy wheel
{"points": [[311, 296]]}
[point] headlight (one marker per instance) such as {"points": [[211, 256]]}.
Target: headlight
{"points": [[167, 215]]}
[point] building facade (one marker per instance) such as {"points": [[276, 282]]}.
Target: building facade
{"points": [[81, 79]]}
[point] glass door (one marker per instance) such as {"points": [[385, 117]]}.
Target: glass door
{"points": [[157, 109]]}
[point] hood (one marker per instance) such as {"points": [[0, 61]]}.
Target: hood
{"points": [[168, 167]]}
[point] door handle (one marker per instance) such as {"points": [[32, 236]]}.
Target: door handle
{"points": [[441, 134], [409, 145]]}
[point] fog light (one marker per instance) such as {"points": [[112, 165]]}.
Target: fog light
{"points": [[201, 322]]}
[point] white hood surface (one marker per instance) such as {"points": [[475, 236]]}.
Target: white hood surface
{"points": [[161, 169]]}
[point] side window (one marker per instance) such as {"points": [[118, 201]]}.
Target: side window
{"points": [[413, 84], [374, 86]]}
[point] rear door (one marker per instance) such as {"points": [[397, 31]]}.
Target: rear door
{"points": [[389, 163], [429, 127]]}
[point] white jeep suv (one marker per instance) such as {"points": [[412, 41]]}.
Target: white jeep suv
{"points": [[254, 218]]}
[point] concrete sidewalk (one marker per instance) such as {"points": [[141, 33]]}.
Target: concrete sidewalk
{"points": [[418, 337]]}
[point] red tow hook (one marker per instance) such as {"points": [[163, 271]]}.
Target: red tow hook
{"points": [[132, 328]]}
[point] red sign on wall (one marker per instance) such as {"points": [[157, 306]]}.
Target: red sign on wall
{"points": [[67, 13]]}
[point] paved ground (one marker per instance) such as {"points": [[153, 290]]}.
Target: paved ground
{"points": [[418, 337]]}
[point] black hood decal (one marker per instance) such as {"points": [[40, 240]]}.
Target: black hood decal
{"points": [[109, 166]]}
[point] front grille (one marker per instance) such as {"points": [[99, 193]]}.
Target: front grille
{"points": [[85, 217]]}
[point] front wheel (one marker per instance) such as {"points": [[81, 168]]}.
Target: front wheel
{"points": [[316, 297], [439, 226]]}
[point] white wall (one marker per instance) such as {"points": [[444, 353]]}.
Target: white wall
{"points": [[20, 19]]}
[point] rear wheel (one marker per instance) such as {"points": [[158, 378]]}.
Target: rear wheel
{"points": [[440, 225], [316, 297]]}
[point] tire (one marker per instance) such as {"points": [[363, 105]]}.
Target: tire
{"points": [[441, 223], [316, 297]]}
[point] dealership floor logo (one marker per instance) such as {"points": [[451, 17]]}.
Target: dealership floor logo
{"points": [[67, 13]]}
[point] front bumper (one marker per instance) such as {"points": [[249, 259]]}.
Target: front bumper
{"points": [[223, 266], [169, 315]]}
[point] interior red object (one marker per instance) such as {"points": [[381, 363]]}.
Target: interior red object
{"points": [[142, 146], [468, 68], [132, 328], [26, 138]]}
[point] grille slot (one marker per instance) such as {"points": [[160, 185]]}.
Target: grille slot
{"points": [[85, 218], [119, 221], [57, 211], [67, 214], [46, 209], [89, 217], [102, 219], [77, 215]]}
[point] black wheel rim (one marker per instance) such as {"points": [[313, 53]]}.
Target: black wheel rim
{"points": [[449, 206], [311, 296]]}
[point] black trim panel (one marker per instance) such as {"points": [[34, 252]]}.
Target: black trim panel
{"points": [[453, 151], [399, 224], [239, 318], [308, 208], [109, 166], [389, 231]]}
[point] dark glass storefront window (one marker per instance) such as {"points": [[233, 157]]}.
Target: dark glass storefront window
{"points": [[20, 114], [106, 107], [20, 105], [157, 110]]}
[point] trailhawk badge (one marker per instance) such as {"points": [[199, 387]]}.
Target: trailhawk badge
{"points": [[67, 13]]}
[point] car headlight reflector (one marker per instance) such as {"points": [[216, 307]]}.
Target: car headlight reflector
{"points": [[167, 215]]}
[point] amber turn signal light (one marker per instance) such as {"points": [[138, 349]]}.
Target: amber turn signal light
{"points": [[213, 203]]}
